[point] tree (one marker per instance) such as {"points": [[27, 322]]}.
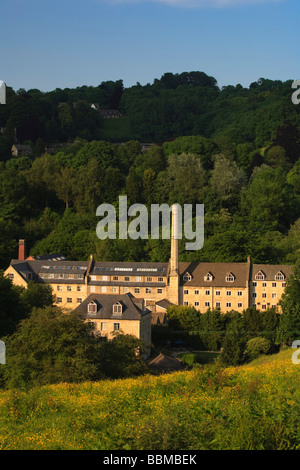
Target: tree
{"points": [[257, 346], [36, 296], [234, 343], [51, 347], [11, 308], [289, 326], [123, 357], [64, 185], [227, 179]]}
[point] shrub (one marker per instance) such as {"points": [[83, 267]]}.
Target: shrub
{"points": [[257, 346]]}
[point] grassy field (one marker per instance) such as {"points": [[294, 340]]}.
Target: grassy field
{"points": [[249, 407]]}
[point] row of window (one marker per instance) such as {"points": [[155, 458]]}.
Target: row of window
{"points": [[264, 306], [264, 295], [70, 288], [260, 276], [126, 278], [61, 276], [218, 304], [209, 277], [228, 304], [125, 290], [208, 292], [69, 300], [264, 284]]}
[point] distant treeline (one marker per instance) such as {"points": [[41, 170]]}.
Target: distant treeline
{"points": [[190, 103]]}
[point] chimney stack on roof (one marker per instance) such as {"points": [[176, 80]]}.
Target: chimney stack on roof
{"points": [[22, 249]]}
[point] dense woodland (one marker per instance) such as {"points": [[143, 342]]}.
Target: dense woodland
{"points": [[234, 149]]}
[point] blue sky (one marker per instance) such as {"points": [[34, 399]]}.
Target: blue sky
{"points": [[68, 43]]}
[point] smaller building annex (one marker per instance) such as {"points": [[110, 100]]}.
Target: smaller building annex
{"points": [[112, 314]]}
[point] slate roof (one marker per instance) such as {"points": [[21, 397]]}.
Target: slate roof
{"points": [[132, 308], [270, 270], [219, 271]]}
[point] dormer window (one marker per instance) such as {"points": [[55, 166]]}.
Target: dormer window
{"points": [[92, 307], [260, 276], [208, 277], [187, 277], [117, 308], [229, 278], [279, 276]]}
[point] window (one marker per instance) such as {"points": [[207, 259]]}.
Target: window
{"points": [[126, 278], [69, 300], [159, 291], [103, 326], [92, 307], [136, 290], [185, 303], [254, 294], [116, 326], [125, 290], [240, 305], [187, 277], [92, 289], [218, 292], [160, 279], [260, 276], [240, 293], [79, 300], [274, 284], [264, 284], [274, 295], [228, 292], [196, 292], [117, 308], [279, 276], [207, 292], [115, 278], [274, 305], [197, 304], [228, 304], [218, 304], [264, 295], [59, 300], [206, 304], [149, 279], [114, 290], [284, 284], [186, 291], [79, 288], [208, 277], [254, 284], [11, 276], [93, 278], [104, 278], [229, 277], [103, 288], [59, 288], [264, 307], [148, 290], [69, 288], [138, 278]]}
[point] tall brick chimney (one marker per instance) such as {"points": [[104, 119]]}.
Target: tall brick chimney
{"points": [[22, 249]]}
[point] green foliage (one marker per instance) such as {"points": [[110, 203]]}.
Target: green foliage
{"points": [[289, 327], [257, 346], [122, 357], [50, 347], [208, 408]]}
